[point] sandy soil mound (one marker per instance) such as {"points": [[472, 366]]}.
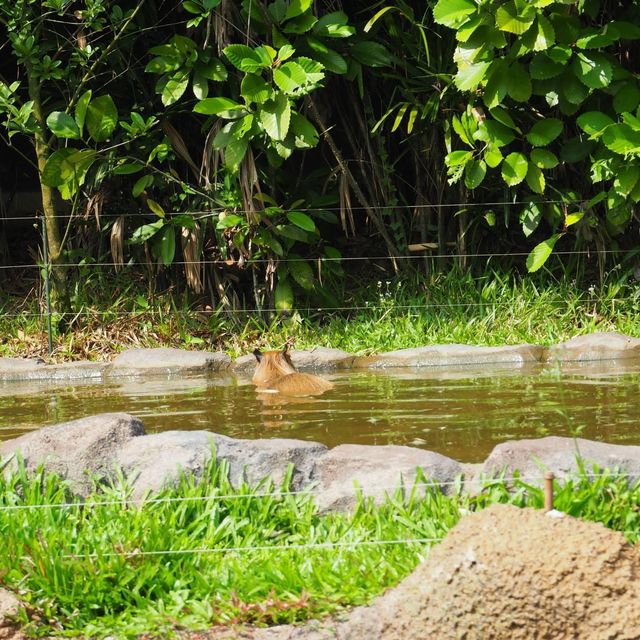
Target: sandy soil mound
{"points": [[510, 574], [501, 574]]}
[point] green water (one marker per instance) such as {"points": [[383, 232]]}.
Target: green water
{"points": [[461, 412]]}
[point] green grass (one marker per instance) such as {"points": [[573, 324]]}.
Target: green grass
{"points": [[366, 317], [94, 570]]}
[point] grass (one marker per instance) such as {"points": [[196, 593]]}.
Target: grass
{"points": [[491, 309], [96, 569]]}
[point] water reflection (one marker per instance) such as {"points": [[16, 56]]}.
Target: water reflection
{"points": [[459, 411]]}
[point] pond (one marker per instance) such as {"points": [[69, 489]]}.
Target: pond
{"points": [[462, 412]]}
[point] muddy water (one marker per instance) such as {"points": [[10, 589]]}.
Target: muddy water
{"points": [[461, 412]]}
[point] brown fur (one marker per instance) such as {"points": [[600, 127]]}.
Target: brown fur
{"points": [[275, 373]]}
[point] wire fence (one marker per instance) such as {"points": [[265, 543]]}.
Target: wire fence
{"points": [[548, 481]]}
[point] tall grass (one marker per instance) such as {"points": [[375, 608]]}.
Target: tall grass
{"points": [[366, 316], [99, 567]]}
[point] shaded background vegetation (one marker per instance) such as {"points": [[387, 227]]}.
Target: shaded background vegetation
{"points": [[123, 124]]}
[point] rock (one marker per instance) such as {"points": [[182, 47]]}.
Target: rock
{"points": [[558, 454], [253, 460], [20, 368], [376, 470], [513, 574], [76, 449], [319, 358], [595, 346], [167, 361], [9, 607], [156, 460], [453, 354]]}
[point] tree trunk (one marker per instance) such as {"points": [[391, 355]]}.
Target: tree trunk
{"points": [[49, 207]]}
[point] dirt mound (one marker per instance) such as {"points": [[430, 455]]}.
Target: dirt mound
{"points": [[509, 574]]}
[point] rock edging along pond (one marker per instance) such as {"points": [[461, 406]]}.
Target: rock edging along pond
{"points": [[97, 446], [167, 361]]}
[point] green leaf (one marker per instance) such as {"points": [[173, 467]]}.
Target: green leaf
{"points": [[468, 78], [541, 253], [229, 221], [242, 57], [174, 88], [290, 77], [155, 208], [81, 109], [371, 54], [544, 131], [162, 64], [329, 58], [495, 133], [546, 35], [514, 168], [212, 70], [593, 70], [457, 158], [63, 125], [474, 173], [627, 98], [296, 8], [530, 217], [542, 67], [67, 166], [234, 152], [200, 86], [502, 116], [102, 118], [305, 134], [302, 220], [275, 117], [283, 295], [627, 179], [571, 89], [453, 13], [333, 25], [593, 123], [256, 89], [217, 106], [544, 159], [492, 156], [535, 179], [573, 218], [515, 17], [622, 139], [302, 272], [128, 168], [518, 83], [167, 244], [292, 233], [301, 24], [146, 231], [496, 87], [141, 184]]}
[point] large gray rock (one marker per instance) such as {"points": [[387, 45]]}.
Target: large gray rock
{"points": [[318, 358], [77, 449], [595, 346], [453, 354], [377, 471], [557, 454], [156, 460], [167, 361]]}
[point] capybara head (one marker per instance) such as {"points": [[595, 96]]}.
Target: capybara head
{"points": [[272, 365]]}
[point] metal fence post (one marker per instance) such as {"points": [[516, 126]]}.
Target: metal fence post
{"points": [[47, 290]]}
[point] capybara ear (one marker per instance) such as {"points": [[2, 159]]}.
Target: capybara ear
{"points": [[258, 354]]}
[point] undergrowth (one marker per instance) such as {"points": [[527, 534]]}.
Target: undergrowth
{"points": [[99, 567], [366, 316]]}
